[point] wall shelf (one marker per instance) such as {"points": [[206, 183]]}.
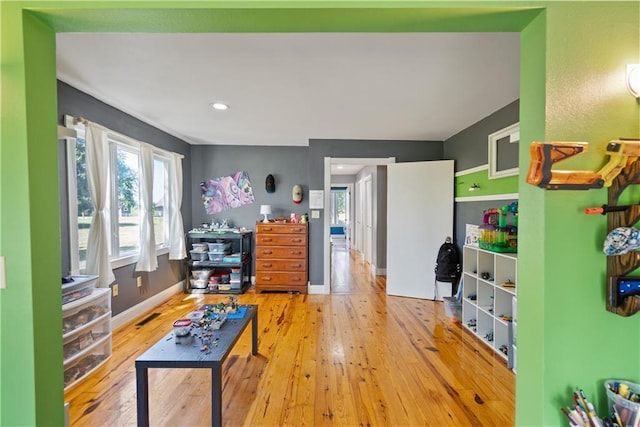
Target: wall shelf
{"points": [[622, 265]]}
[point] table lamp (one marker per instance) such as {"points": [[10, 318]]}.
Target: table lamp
{"points": [[265, 210]]}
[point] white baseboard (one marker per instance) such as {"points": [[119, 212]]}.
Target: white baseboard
{"points": [[318, 290], [145, 306]]}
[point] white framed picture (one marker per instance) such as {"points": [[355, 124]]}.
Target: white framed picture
{"points": [[503, 151], [472, 235]]}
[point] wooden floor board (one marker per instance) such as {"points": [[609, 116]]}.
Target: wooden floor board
{"points": [[354, 358]]}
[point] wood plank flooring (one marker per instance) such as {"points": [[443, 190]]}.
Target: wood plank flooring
{"points": [[353, 358]]}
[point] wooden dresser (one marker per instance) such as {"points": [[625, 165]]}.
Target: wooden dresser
{"points": [[281, 257]]}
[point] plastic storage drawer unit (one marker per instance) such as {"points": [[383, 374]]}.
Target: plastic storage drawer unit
{"points": [[86, 334], [80, 287]]}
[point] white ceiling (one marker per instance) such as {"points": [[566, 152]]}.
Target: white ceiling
{"points": [[284, 89]]}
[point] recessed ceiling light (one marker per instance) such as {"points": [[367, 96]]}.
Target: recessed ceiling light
{"points": [[219, 106]]}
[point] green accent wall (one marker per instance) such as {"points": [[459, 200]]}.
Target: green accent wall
{"points": [[572, 74], [487, 187], [568, 337]]}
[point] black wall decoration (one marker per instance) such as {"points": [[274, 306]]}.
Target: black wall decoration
{"points": [[270, 184]]}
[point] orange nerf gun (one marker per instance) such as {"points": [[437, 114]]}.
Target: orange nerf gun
{"points": [[545, 154]]}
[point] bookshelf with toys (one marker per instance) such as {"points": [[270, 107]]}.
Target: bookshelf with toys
{"points": [[488, 299]]}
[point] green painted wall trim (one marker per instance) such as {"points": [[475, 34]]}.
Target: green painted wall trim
{"points": [[531, 222], [45, 257], [572, 55], [487, 187], [30, 240], [287, 16]]}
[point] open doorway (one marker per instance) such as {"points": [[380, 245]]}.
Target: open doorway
{"points": [[357, 210], [340, 214]]}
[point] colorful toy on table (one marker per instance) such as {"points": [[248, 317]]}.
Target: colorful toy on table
{"points": [[495, 234]]}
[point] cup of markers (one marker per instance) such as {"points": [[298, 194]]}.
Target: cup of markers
{"points": [[624, 402], [583, 413]]}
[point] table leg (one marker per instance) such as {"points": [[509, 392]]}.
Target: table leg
{"points": [[216, 395], [254, 333], [142, 392]]}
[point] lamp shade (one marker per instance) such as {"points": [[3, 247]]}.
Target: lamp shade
{"points": [[633, 79], [265, 209]]}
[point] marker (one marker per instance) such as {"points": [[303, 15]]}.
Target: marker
{"points": [[582, 415], [592, 415], [572, 419], [617, 416]]}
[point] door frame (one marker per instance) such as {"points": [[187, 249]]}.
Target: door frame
{"points": [[328, 161]]}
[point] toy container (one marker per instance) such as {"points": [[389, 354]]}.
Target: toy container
{"points": [[619, 393], [79, 287], [495, 233], [182, 327]]}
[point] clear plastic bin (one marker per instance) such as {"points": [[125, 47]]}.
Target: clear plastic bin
{"points": [[629, 411], [81, 287], [452, 308]]}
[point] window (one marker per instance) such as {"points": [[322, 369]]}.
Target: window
{"points": [[160, 197], [80, 207], [123, 203], [125, 219], [339, 206]]}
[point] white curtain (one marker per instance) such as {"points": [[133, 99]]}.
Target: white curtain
{"points": [[177, 248], [97, 159], [148, 260]]}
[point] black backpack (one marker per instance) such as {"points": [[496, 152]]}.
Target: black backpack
{"points": [[448, 263]]}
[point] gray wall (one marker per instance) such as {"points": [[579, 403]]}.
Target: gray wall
{"points": [[403, 151], [469, 148], [288, 165], [76, 103]]}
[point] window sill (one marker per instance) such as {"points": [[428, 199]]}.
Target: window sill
{"points": [[132, 259]]}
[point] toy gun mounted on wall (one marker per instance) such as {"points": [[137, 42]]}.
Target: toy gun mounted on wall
{"points": [[622, 152]]}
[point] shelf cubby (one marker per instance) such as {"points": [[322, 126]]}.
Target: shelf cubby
{"points": [[485, 273]]}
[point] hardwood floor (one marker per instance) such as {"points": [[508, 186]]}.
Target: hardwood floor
{"points": [[356, 357]]}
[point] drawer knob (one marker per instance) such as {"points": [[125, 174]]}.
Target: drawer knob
{"points": [[266, 239], [266, 278], [296, 253], [267, 252], [296, 265], [296, 240], [295, 279], [266, 265]]}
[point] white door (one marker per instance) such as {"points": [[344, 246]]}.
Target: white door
{"points": [[419, 218], [359, 210], [368, 220]]}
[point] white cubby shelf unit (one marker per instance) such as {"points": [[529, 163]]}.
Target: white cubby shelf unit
{"points": [[488, 305]]}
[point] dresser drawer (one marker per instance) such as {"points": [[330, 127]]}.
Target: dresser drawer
{"points": [[281, 278], [281, 252], [281, 265], [281, 239], [275, 228]]}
